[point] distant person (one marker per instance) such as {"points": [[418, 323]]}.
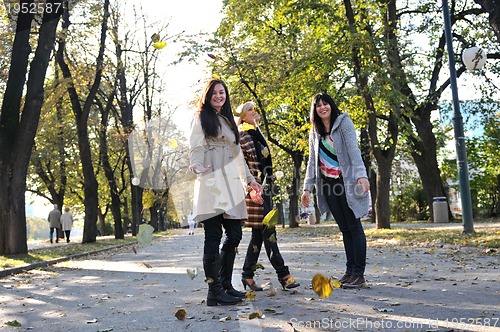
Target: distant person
{"points": [[54, 219], [191, 223], [67, 223], [219, 192], [258, 158], [336, 169]]}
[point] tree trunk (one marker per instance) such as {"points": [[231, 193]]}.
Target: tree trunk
{"points": [[297, 158], [17, 137], [382, 201], [90, 184], [424, 154], [108, 169]]}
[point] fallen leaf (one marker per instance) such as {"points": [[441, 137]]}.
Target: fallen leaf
{"points": [[256, 314], [14, 323], [180, 314]]}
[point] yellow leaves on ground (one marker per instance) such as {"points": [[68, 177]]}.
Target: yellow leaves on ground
{"points": [[323, 286], [271, 219]]}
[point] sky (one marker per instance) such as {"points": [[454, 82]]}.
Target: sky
{"points": [[183, 80]]}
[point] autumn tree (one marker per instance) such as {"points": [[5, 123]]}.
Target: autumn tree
{"points": [[19, 121]]}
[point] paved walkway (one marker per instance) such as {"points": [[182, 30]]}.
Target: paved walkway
{"points": [[411, 289]]}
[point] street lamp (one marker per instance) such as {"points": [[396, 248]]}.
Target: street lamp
{"points": [[463, 168], [474, 58]]}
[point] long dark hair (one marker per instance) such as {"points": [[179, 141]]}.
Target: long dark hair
{"points": [[316, 120], [208, 115]]}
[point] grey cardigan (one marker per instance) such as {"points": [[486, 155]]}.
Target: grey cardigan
{"points": [[350, 161]]}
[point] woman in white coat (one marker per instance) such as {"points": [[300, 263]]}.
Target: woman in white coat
{"points": [[220, 189]]}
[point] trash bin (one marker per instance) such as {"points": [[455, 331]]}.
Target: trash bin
{"points": [[440, 207]]}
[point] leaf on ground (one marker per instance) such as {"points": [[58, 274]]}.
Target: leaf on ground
{"points": [[92, 321], [250, 295], [226, 318], [271, 291], [335, 283], [256, 314], [180, 314], [13, 323]]}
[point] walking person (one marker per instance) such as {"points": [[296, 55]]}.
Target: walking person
{"points": [[337, 171], [219, 194], [54, 219], [67, 223], [258, 158]]}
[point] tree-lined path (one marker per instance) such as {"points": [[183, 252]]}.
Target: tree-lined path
{"points": [[418, 288]]}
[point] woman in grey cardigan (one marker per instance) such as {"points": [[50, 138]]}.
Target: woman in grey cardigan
{"points": [[337, 171]]}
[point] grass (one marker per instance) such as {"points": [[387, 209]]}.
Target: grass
{"points": [[403, 236], [43, 254], [415, 234]]}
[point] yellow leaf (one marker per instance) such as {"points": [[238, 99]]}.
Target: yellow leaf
{"points": [[159, 45], [271, 219], [173, 143], [321, 285], [180, 314], [257, 266], [272, 238], [250, 295], [335, 283], [217, 77]]}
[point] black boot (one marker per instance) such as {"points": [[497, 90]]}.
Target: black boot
{"points": [[216, 294], [226, 273]]}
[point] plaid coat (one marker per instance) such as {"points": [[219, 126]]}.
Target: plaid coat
{"points": [[259, 166]]}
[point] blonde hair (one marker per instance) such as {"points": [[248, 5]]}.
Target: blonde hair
{"points": [[242, 110]]}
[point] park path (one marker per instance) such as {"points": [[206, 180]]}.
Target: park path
{"points": [[141, 288]]}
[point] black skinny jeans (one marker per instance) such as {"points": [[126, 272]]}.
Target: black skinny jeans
{"points": [[259, 236], [268, 237], [213, 234], [350, 226]]}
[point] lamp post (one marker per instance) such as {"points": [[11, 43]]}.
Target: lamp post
{"points": [[463, 169], [135, 205]]}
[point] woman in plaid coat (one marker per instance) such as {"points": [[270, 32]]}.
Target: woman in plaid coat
{"points": [[258, 158]]}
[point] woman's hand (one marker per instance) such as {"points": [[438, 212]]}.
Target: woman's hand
{"points": [[256, 192], [365, 183], [305, 198], [198, 169]]}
